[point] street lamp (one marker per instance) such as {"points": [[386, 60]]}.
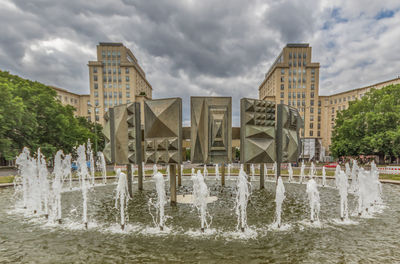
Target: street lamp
{"points": [[95, 126]]}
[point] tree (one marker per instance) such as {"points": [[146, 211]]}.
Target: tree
{"points": [[370, 126], [30, 115]]}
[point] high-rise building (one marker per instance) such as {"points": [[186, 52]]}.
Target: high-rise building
{"points": [[115, 78], [293, 79]]}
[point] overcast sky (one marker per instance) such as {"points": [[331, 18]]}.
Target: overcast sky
{"points": [[207, 47]]}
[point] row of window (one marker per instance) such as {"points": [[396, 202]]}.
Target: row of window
{"points": [[110, 53], [112, 62], [298, 79], [114, 85], [293, 95], [111, 70], [111, 78], [293, 55], [109, 103], [349, 98]]}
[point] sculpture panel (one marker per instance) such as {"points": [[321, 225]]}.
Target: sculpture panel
{"points": [[163, 131], [211, 129], [257, 131], [288, 126]]}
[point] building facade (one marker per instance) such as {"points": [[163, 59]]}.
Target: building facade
{"points": [[79, 101], [115, 78], [293, 79]]}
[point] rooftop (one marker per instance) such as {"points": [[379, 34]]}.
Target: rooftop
{"points": [[297, 45]]}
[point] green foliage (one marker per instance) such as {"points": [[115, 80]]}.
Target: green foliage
{"points": [[370, 126], [30, 115]]}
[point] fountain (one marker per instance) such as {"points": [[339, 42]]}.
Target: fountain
{"points": [[343, 185], [58, 172], [323, 176], [205, 171], [290, 171], [122, 194], [312, 171], [102, 166], [83, 175], [279, 197], [337, 171], [242, 196], [44, 186], [275, 169], [265, 171], [159, 218], [313, 197], [91, 162], [24, 164], [302, 169], [354, 173], [200, 197], [217, 176], [229, 171]]}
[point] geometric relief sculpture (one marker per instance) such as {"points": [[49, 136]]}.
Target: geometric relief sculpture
{"points": [[289, 123], [120, 132], [163, 131], [211, 129], [257, 131]]}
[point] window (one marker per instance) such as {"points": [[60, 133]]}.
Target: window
{"points": [[290, 79], [311, 102], [344, 99], [281, 101], [298, 95], [335, 101], [304, 63], [110, 94], [109, 70], [120, 94], [128, 94], [103, 54], [105, 94], [127, 86], [311, 118], [289, 95], [340, 100], [282, 95], [120, 101], [115, 101], [119, 79], [311, 125], [294, 55], [127, 78], [312, 87], [290, 64], [303, 103], [110, 103], [126, 70], [128, 101], [294, 64], [114, 78], [311, 133], [303, 95], [95, 78], [282, 87], [109, 78], [282, 71], [96, 86], [94, 69], [282, 79], [96, 102], [115, 95], [304, 55], [105, 103], [319, 133], [312, 94], [290, 71], [312, 78], [119, 54], [290, 55], [339, 108], [312, 110], [294, 95], [319, 125], [104, 70], [96, 94], [108, 54], [333, 110], [97, 118], [114, 70], [319, 110], [312, 71]]}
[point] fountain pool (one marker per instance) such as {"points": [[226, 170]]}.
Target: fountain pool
{"points": [[31, 238]]}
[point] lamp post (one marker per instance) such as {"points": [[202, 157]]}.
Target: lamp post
{"points": [[95, 126]]}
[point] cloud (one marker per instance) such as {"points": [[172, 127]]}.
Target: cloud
{"points": [[220, 48]]}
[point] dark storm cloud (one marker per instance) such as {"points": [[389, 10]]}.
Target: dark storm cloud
{"points": [[205, 47]]}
